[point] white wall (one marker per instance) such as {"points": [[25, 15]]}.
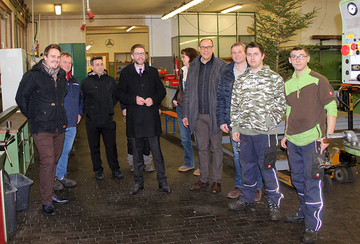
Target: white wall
{"points": [[122, 43], [160, 36], [67, 30]]}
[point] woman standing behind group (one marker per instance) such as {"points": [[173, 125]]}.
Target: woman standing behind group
{"points": [[187, 56]]}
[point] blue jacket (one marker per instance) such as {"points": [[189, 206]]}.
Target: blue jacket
{"points": [[73, 101], [224, 95]]}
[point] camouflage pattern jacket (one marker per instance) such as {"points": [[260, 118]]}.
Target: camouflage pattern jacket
{"points": [[257, 102]]}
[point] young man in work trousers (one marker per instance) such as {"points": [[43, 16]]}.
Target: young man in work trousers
{"points": [[257, 107], [310, 104]]}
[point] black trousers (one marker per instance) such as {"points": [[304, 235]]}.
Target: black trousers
{"points": [[146, 149], [138, 146], [108, 132]]}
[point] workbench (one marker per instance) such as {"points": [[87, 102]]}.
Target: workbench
{"points": [[21, 151]]}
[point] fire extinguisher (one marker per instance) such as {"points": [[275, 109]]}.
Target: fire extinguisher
{"points": [[176, 66]]}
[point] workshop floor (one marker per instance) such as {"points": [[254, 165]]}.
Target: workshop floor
{"points": [[104, 212]]}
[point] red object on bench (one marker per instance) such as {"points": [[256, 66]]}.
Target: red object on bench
{"points": [[170, 116]]}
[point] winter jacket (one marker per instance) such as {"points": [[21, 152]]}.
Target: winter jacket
{"points": [[141, 120], [73, 101], [258, 102], [99, 98], [191, 103], [310, 98], [41, 99], [225, 86], [224, 91]]}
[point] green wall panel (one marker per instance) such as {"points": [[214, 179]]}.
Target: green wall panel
{"points": [[78, 51]]}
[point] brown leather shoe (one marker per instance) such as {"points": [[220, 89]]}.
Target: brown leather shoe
{"points": [[235, 193], [216, 187], [198, 185], [258, 195]]}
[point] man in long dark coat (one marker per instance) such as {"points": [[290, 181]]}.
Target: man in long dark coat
{"points": [[142, 91]]}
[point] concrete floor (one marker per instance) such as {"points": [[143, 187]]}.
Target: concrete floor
{"points": [[104, 212]]}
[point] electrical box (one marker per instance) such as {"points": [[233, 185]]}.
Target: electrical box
{"points": [[350, 49]]}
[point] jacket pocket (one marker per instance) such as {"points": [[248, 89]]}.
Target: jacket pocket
{"points": [[46, 112]]}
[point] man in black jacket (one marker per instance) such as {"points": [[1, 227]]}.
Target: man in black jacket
{"points": [[142, 91], [99, 100], [40, 97]]}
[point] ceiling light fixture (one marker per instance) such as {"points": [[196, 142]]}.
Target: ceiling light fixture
{"points": [[181, 9], [88, 47], [129, 29], [231, 9], [57, 9]]}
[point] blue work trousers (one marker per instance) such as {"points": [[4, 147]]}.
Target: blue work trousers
{"points": [[237, 167], [309, 190], [252, 156]]}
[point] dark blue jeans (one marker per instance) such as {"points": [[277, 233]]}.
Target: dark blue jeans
{"points": [[309, 190], [252, 156]]}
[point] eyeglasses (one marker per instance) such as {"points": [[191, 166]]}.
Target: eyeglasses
{"points": [[206, 47], [139, 54], [301, 57]]}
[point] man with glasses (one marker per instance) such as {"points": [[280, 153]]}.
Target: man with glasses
{"points": [[142, 91], [233, 70], [199, 113], [310, 115], [257, 107], [99, 91]]}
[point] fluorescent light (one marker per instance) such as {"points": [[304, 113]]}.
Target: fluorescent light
{"points": [[57, 9], [181, 9], [129, 29], [231, 9], [88, 47]]}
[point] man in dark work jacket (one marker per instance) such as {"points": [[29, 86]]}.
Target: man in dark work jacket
{"points": [[40, 97], [99, 100], [142, 91]]}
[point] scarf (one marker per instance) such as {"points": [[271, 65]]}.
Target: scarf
{"points": [[52, 72]]}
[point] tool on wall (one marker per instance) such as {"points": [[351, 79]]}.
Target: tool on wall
{"points": [[6, 142]]}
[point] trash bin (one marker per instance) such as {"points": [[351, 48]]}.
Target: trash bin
{"points": [[22, 183], [10, 196]]}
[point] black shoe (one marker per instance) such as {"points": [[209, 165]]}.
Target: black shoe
{"points": [[240, 205], [99, 175], [296, 218], [48, 209], [274, 212], [309, 236], [136, 188], [117, 174], [58, 201], [165, 187]]}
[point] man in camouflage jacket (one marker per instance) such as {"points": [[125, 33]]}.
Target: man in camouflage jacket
{"points": [[257, 107]]}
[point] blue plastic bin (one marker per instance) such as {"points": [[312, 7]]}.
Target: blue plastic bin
{"points": [[10, 196]]}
